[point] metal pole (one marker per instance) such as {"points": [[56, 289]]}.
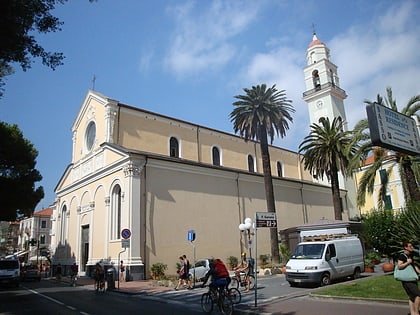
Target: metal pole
{"points": [[255, 262], [194, 263]]}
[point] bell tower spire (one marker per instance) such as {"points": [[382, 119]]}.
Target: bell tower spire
{"points": [[323, 93], [325, 98]]}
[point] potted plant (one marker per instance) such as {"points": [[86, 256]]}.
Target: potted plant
{"points": [[369, 265], [374, 257], [232, 262], [158, 270]]}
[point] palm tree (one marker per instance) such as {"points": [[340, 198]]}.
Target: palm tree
{"points": [[326, 151], [408, 166], [261, 113]]}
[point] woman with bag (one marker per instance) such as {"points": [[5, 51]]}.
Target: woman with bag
{"points": [[181, 273], [405, 262]]}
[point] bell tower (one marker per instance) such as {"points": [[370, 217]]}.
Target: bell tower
{"points": [[323, 93], [325, 98]]}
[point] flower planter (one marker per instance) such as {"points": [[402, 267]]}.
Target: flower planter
{"points": [[388, 267], [369, 269]]}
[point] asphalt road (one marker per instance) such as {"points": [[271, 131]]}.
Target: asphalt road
{"points": [[275, 296]]}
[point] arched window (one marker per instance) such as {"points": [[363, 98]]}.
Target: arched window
{"points": [[251, 163], [173, 147], [312, 56], [315, 79], [42, 239], [279, 170], [63, 224], [332, 77], [116, 212], [216, 156]]}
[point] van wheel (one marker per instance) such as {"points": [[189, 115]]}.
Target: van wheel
{"points": [[356, 273], [325, 279]]}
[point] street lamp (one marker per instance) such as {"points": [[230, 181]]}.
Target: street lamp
{"points": [[246, 226]]}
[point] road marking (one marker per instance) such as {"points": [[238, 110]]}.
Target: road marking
{"points": [[54, 300]]}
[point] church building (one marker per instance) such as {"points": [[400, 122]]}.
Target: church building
{"points": [[139, 181]]}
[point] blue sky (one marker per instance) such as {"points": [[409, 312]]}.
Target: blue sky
{"points": [[187, 59]]}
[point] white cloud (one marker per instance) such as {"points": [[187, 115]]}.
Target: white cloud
{"points": [[371, 59], [371, 56], [201, 38]]}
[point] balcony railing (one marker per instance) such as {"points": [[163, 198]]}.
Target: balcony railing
{"points": [[322, 87]]}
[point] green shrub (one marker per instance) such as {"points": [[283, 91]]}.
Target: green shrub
{"points": [[158, 270], [264, 260], [232, 261]]}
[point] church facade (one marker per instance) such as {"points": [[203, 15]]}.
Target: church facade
{"points": [[156, 178]]}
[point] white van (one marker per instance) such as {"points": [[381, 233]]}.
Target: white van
{"points": [[322, 259], [10, 272]]}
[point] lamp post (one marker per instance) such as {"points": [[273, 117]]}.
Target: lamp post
{"points": [[246, 226]]}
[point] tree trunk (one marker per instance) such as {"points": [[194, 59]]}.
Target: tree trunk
{"points": [[413, 190], [335, 189], [269, 195]]}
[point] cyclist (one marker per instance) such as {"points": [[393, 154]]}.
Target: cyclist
{"points": [[74, 269], [243, 266], [219, 275], [99, 276]]}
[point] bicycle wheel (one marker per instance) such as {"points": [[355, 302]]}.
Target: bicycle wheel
{"points": [[235, 295], [206, 302], [251, 282], [225, 304], [234, 283]]}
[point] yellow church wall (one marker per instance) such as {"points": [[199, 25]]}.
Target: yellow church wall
{"points": [[145, 132]]}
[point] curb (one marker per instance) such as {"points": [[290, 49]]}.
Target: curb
{"points": [[347, 298]]}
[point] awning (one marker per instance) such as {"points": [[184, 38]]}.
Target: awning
{"points": [[34, 258], [17, 254]]}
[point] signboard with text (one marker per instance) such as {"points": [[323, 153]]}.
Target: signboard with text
{"points": [[266, 219], [392, 130]]}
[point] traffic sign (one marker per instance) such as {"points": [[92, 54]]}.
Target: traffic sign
{"points": [[126, 234], [191, 235], [266, 219], [125, 243]]}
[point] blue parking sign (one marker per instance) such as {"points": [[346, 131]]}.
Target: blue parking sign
{"points": [[191, 235]]}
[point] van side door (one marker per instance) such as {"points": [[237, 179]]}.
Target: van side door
{"points": [[333, 261]]}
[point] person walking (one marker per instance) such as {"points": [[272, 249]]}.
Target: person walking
{"points": [[58, 272], [187, 272], [411, 287], [122, 270], [74, 269], [181, 273]]}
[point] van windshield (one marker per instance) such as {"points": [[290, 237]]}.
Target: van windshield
{"points": [[308, 251]]}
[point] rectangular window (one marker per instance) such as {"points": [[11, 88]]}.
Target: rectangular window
{"points": [[383, 175], [43, 224], [388, 202]]}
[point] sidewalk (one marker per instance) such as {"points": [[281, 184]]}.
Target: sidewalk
{"points": [[130, 287]]}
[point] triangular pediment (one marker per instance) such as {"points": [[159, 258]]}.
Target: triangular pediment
{"points": [[102, 160], [93, 125]]}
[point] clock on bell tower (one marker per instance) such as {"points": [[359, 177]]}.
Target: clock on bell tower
{"points": [[323, 93]]}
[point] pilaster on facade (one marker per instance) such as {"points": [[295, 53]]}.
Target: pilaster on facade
{"points": [[110, 114]]}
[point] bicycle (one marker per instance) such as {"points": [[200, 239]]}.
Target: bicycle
{"points": [[217, 295], [73, 280], [235, 281]]}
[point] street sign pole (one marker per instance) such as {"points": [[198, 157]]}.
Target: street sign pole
{"points": [[262, 219], [255, 262]]}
